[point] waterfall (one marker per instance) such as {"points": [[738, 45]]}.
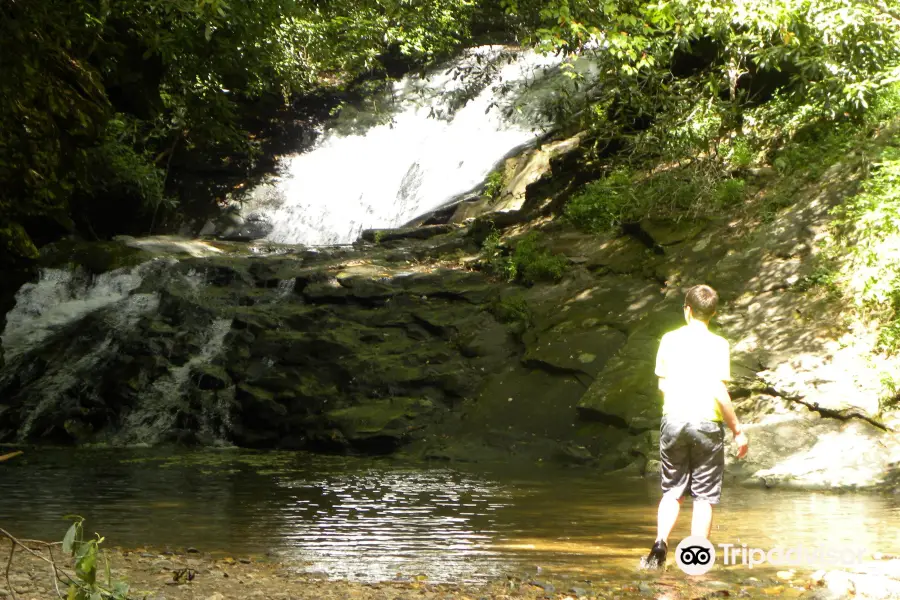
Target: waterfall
{"points": [[160, 406], [60, 297], [51, 312], [136, 355], [431, 140]]}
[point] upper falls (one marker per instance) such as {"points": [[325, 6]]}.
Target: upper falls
{"points": [[428, 141]]}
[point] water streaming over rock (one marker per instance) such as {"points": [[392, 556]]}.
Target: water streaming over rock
{"points": [[65, 328], [61, 297], [144, 354], [292, 350], [164, 401], [432, 139]]}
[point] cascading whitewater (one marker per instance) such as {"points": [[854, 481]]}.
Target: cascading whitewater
{"points": [[71, 335], [159, 406], [78, 320], [437, 139], [61, 297], [147, 354]]}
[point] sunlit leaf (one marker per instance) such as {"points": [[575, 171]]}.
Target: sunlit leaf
{"points": [[69, 539]]}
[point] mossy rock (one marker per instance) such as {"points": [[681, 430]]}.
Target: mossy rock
{"points": [[575, 349], [259, 415], [210, 377], [156, 327], [311, 387], [255, 394], [380, 236], [16, 245], [626, 391], [391, 418], [95, 257], [666, 232]]}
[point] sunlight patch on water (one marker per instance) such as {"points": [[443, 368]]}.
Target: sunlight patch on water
{"points": [[371, 526]]}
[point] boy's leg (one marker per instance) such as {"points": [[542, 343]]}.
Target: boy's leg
{"points": [[674, 455], [675, 474], [701, 522], [669, 507], [707, 472]]}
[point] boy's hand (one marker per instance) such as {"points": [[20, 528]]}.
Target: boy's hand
{"points": [[741, 440]]}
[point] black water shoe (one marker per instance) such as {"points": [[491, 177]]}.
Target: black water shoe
{"points": [[657, 557]]}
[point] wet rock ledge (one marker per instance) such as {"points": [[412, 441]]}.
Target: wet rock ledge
{"points": [[331, 350]]}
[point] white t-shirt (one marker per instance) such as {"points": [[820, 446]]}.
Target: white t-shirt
{"points": [[693, 361]]}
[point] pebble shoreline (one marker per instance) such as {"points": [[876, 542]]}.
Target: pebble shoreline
{"points": [[163, 576]]}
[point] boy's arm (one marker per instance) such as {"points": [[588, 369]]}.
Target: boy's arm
{"points": [[661, 366], [723, 398]]}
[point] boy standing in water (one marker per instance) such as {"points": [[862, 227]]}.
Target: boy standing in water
{"points": [[693, 365]]}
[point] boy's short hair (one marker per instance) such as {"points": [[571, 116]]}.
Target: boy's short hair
{"points": [[703, 301]]}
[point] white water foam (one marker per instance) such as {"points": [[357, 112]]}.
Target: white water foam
{"points": [[160, 404], [119, 314], [361, 177], [62, 296], [49, 389], [285, 289]]}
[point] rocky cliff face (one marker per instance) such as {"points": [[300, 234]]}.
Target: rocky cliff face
{"points": [[397, 345], [332, 351]]}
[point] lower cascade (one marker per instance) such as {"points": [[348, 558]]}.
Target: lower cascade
{"points": [[296, 350]]}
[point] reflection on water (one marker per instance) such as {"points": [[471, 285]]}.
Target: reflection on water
{"points": [[372, 520], [375, 524]]}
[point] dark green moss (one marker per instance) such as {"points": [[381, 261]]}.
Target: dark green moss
{"points": [[95, 257]]}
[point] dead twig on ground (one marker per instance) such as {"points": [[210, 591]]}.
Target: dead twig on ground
{"points": [[58, 574], [12, 551]]}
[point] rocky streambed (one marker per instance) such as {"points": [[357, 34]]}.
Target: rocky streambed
{"points": [[189, 574]]}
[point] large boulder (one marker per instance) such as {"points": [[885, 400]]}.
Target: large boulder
{"points": [[804, 450]]}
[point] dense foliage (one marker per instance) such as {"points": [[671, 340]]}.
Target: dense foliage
{"points": [[704, 89], [98, 98], [837, 53], [528, 262]]}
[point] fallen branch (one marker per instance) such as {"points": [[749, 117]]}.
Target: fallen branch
{"points": [[53, 573], [12, 551], [10, 455], [59, 575], [841, 414]]}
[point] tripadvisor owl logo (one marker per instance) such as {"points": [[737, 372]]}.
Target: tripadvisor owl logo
{"points": [[695, 555]]}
